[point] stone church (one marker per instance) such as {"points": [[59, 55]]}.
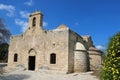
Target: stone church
{"points": [[60, 49]]}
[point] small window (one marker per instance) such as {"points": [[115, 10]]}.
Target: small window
{"points": [[15, 57], [53, 58], [34, 21]]}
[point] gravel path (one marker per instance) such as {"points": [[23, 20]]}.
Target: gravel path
{"points": [[46, 75]]}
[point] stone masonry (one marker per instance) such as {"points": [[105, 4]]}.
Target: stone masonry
{"points": [[60, 49]]}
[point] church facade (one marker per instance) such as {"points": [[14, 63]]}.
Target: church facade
{"points": [[60, 49]]}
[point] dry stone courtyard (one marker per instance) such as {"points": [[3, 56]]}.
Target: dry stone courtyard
{"points": [[20, 74], [46, 75]]}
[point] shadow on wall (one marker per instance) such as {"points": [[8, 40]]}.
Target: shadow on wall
{"points": [[3, 65], [14, 77]]}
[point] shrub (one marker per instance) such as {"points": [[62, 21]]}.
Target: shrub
{"points": [[4, 52], [111, 63]]}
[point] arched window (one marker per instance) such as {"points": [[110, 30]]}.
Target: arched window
{"points": [[53, 58], [15, 57], [34, 21]]}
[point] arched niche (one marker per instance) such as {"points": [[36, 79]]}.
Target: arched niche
{"points": [[32, 52], [79, 46]]}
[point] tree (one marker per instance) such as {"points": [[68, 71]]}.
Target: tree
{"points": [[4, 38], [111, 63], [4, 33], [4, 52]]}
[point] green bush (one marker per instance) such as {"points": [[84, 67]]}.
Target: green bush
{"points": [[111, 63], [4, 52]]}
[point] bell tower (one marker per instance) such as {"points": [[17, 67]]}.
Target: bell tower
{"points": [[36, 20]]}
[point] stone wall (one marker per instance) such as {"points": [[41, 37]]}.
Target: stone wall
{"points": [[78, 56], [57, 42], [95, 59], [95, 55], [44, 44], [80, 61], [71, 50]]}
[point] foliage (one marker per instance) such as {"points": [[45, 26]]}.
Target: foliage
{"points": [[111, 63], [4, 52], [4, 38], [4, 33]]}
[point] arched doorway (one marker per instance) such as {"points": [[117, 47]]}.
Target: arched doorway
{"points": [[31, 59], [31, 64]]}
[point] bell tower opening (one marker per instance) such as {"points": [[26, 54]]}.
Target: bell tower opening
{"points": [[36, 20]]}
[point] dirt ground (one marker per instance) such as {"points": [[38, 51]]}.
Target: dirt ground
{"points": [[96, 73], [47, 75]]}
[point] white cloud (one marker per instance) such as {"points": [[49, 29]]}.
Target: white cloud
{"points": [[100, 47], [24, 24], [29, 3], [9, 8], [21, 23], [77, 23], [45, 24], [24, 14]]}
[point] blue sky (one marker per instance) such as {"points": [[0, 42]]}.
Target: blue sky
{"points": [[98, 18]]}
